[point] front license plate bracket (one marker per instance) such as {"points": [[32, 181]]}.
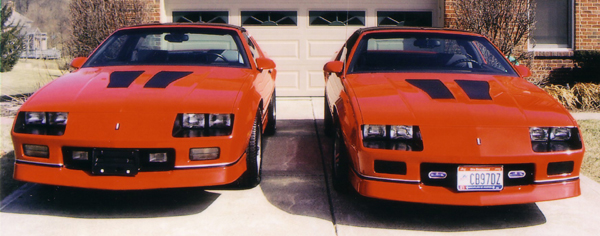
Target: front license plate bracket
{"points": [[115, 162], [480, 178]]}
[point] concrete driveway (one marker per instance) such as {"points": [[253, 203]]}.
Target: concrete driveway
{"points": [[294, 198]]}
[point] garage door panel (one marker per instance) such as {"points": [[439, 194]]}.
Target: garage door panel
{"points": [[288, 79], [316, 80], [281, 49], [323, 49]]}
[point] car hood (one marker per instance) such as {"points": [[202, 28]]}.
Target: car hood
{"points": [[403, 98], [142, 89], [471, 123]]}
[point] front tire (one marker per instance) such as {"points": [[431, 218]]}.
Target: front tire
{"points": [[271, 126], [340, 164], [252, 177]]}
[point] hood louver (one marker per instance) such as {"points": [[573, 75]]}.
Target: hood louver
{"points": [[433, 87], [476, 90]]}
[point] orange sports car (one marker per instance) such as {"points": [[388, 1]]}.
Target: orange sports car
{"points": [[154, 106], [440, 116]]}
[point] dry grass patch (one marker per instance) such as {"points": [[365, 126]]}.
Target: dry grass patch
{"points": [[590, 130], [582, 96]]}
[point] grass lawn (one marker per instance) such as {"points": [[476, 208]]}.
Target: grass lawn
{"points": [[591, 137], [29, 75]]}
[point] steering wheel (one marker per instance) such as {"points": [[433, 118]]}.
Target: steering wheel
{"points": [[219, 56], [465, 60]]}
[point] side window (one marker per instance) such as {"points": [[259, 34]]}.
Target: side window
{"points": [[253, 50]]}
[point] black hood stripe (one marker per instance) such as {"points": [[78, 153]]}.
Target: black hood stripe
{"points": [[122, 79], [164, 78], [433, 87], [476, 90]]}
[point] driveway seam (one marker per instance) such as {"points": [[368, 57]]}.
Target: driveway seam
{"points": [[329, 199]]}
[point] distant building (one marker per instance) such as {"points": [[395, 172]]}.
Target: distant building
{"points": [[36, 42]]}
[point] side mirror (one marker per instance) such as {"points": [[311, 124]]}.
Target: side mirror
{"points": [[333, 67], [523, 71], [78, 62], [265, 64]]}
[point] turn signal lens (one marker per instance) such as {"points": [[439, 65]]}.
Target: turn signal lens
{"points": [[158, 157], [35, 150], [201, 154]]}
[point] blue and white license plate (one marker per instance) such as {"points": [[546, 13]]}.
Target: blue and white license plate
{"points": [[480, 178]]}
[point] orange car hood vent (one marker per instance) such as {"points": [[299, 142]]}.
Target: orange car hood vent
{"points": [[164, 78], [122, 79], [433, 87], [476, 90]]}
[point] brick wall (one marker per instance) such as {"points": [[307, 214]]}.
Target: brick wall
{"points": [[557, 65], [154, 11]]}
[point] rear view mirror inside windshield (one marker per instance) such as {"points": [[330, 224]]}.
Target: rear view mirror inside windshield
{"points": [[177, 38], [427, 43]]}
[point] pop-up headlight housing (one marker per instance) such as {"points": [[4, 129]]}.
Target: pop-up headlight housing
{"points": [[394, 137]]}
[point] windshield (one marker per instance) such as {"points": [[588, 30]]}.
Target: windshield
{"points": [[427, 52], [171, 46]]}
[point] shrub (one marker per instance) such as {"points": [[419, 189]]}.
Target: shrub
{"points": [[11, 44], [93, 20], [582, 96]]}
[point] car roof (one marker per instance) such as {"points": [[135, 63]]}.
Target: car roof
{"points": [[414, 29], [188, 25]]}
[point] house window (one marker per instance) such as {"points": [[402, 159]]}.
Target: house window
{"points": [[269, 18], [201, 16], [554, 27], [336, 18], [404, 18]]}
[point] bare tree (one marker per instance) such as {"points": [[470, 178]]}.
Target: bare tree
{"points": [[93, 20], [507, 23]]}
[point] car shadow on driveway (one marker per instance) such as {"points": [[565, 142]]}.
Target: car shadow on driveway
{"points": [[98, 204], [297, 179]]}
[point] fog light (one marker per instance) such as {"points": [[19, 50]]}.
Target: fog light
{"points": [[35, 150], [158, 157], [80, 156], [200, 154]]}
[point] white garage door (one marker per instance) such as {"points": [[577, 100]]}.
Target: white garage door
{"points": [[301, 36]]}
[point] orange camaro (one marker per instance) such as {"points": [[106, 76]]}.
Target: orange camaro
{"points": [[440, 116], [154, 106]]}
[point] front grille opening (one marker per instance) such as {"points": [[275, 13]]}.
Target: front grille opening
{"points": [[560, 168], [390, 167]]}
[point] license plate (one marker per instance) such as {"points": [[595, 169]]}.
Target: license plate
{"points": [[480, 178]]}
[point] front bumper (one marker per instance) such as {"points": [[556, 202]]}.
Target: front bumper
{"points": [[417, 192], [210, 175]]}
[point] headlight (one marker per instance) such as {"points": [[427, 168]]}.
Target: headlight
{"points": [[553, 139], [202, 125], [394, 137], [42, 123], [193, 120], [401, 132], [374, 131]]}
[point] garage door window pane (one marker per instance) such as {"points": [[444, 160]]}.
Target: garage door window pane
{"points": [[269, 18], [201, 16], [337, 18], [553, 27], [404, 18]]}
